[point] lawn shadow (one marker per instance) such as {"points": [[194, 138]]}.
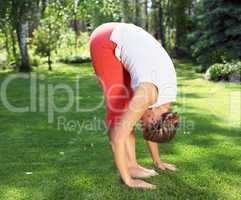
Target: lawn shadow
{"points": [[67, 165], [212, 148]]}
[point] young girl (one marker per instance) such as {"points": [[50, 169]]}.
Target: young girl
{"points": [[139, 83]]}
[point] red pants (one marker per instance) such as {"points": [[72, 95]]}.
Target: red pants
{"points": [[113, 77]]}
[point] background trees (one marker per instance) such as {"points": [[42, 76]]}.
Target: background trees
{"points": [[217, 31], [206, 31], [47, 35]]}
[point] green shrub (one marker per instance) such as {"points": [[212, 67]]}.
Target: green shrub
{"points": [[35, 60], [75, 59], [223, 72], [72, 46], [74, 49], [200, 69]]}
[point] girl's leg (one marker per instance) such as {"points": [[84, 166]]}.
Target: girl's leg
{"points": [[130, 149], [115, 81], [113, 78], [135, 169], [110, 72]]}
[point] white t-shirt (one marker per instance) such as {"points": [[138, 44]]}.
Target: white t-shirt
{"points": [[146, 60]]}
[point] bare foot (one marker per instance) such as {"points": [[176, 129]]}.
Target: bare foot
{"points": [[141, 172], [152, 172], [166, 166], [137, 183]]}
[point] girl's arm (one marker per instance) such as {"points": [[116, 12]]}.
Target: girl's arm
{"points": [[142, 99], [153, 147]]}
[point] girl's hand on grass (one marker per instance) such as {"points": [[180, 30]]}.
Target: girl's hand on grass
{"points": [[166, 166], [137, 183]]}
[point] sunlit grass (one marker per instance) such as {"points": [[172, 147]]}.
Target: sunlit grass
{"points": [[41, 160]]}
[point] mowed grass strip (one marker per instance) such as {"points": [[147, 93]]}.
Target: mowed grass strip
{"points": [[53, 155]]}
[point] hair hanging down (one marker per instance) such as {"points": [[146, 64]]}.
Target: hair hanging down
{"points": [[163, 130]]}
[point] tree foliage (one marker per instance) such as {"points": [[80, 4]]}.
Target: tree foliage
{"points": [[209, 31], [218, 34], [47, 37]]}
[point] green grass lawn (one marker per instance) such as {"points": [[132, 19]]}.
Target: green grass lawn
{"points": [[40, 159]]}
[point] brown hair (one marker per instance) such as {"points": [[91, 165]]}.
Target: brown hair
{"points": [[164, 129]]}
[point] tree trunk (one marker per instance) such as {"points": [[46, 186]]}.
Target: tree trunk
{"points": [[136, 15], [161, 26], [82, 26], [43, 5], [76, 23], [169, 24], [49, 61], [22, 29], [7, 44], [35, 18], [154, 20], [125, 11], [14, 50], [180, 22], [146, 14], [76, 30]]}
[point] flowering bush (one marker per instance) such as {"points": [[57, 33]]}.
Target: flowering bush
{"points": [[224, 72]]}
